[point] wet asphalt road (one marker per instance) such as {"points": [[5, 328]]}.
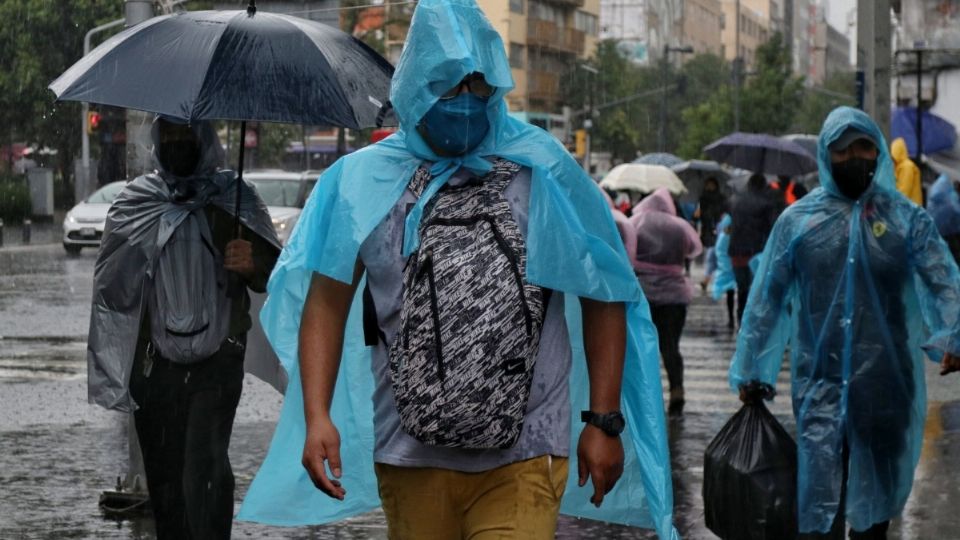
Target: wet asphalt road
{"points": [[57, 453]]}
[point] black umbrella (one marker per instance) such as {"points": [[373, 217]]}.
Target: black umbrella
{"points": [[694, 174], [762, 153], [235, 65]]}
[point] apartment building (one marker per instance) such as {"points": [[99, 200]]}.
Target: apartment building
{"points": [[753, 29], [702, 26]]}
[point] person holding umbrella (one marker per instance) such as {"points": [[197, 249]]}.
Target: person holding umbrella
{"points": [[857, 281], [169, 322], [753, 214], [453, 249]]}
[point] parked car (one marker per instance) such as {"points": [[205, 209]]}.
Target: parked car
{"points": [[83, 224], [284, 193]]}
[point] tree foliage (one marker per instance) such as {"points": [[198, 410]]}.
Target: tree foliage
{"points": [[40, 39]]}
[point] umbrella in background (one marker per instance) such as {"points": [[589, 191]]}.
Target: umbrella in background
{"points": [[938, 134], [807, 141], [642, 178], [659, 158], [693, 173], [762, 153], [235, 65]]}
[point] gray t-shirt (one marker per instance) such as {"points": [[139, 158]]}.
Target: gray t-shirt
{"points": [[546, 428]]}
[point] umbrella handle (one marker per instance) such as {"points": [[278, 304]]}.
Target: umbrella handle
{"points": [[252, 7], [243, 140]]}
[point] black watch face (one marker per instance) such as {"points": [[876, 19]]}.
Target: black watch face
{"points": [[615, 424]]}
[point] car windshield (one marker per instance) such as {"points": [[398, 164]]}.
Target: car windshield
{"points": [[106, 194], [277, 192]]}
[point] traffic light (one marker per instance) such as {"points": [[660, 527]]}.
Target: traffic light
{"points": [[93, 122], [581, 143]]}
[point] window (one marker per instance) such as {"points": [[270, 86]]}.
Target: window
{"points": [[585, 22], [517, 56], [546, 12], [516, 6]]}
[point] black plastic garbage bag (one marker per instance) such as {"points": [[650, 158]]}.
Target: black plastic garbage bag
{"points": [[750, 478]]}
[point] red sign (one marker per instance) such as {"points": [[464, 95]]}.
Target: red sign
{"points": [[250, 139]]}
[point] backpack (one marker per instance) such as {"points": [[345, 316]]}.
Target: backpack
{"points": [[189, 306], [462, 360]]}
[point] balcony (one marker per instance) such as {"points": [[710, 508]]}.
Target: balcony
{"points": [[543, 87], [547, 35], [567, 3]]}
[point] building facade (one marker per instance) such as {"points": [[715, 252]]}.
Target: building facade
{"points": [[753, 27], [702, 26]]}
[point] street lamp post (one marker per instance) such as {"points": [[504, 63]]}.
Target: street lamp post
{"points": [[663, 106], [588, 122]]}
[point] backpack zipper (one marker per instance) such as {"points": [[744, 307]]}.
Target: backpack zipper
{"points": [[435, 311], [507, 252]]}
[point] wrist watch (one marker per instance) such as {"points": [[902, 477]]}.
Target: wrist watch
{"points": [[611, 423]]}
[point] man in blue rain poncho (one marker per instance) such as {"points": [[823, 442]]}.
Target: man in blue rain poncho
{"points": [[856, 279], [365, 218]]}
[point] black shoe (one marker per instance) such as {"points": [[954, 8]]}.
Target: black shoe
{"points": [[675, 408]]}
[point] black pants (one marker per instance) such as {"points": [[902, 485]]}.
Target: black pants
{"points": [[184, 424], [877, 532], [744, 277], [669, 320]]}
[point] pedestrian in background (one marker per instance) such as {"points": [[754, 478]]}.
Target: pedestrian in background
{"points": [[724, 282], [859, 284], [944, 207], [907, 173], [664, 242], [169, 322], [712, 206], [753, 214]]}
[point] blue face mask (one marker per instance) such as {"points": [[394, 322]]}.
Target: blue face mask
{"points": [[457, 125]]}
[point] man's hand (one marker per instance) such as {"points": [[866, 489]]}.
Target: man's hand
{"points": [[238, 258], [322, 447], [600, 457], [949, 364]]}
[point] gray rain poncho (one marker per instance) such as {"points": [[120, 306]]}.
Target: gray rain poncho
{"points": [[859, 290], [140, 223]]}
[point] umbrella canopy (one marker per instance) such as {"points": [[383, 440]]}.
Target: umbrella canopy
{"points": [[807, 141], [234, 65], [659, 158], [938, 134], [762, 153], [694, 173], [642, 178]]}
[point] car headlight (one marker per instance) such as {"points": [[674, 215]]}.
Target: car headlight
{"points": [[284, 227], [70, 219]]}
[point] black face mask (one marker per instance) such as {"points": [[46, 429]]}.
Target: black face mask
{"points": [[180, 158], [853, 176]]}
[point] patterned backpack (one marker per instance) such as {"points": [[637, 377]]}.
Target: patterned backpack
{"points": [[462, 360]]}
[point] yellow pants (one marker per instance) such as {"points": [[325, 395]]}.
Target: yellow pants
{"points": [[519, 501]]}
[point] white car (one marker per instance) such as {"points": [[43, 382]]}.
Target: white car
{"points": [[284, 193], [83, 224]]}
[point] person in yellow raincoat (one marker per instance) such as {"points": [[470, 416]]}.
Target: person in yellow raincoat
{"points": [[906, 172]]}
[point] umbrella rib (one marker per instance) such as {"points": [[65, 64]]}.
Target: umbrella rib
{"points": [[206, 73]]}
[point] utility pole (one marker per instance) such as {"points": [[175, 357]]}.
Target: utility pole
{"points": [[83, 186], [588, 121], [874, 58], [664, 98], [139, 146], [736, 68]]}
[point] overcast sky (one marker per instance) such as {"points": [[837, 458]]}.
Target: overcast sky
{"points": [[837, 17]]}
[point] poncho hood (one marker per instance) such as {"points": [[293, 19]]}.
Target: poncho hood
{"points": [[211, 151], [658, 201], [839, 121]]}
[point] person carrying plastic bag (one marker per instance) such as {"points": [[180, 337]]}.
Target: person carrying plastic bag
{"points": [[374, 210], [858, 282]]}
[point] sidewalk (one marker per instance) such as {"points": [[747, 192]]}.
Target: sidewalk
{"points": [[41, 232]]}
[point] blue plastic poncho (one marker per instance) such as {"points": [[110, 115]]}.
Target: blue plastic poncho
{"points": [[943, 204], [573, 247], [723, 278], [859, 289]]}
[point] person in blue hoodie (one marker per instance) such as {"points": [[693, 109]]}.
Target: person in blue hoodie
{"points": [[858, 282], [595, 395]]}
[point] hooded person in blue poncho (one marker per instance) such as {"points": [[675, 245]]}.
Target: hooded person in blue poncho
{"points": [[856, 279], [362, 230]]}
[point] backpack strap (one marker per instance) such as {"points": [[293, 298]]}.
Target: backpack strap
{"points": [[502, 174], [421, 178], [371, 328]]}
